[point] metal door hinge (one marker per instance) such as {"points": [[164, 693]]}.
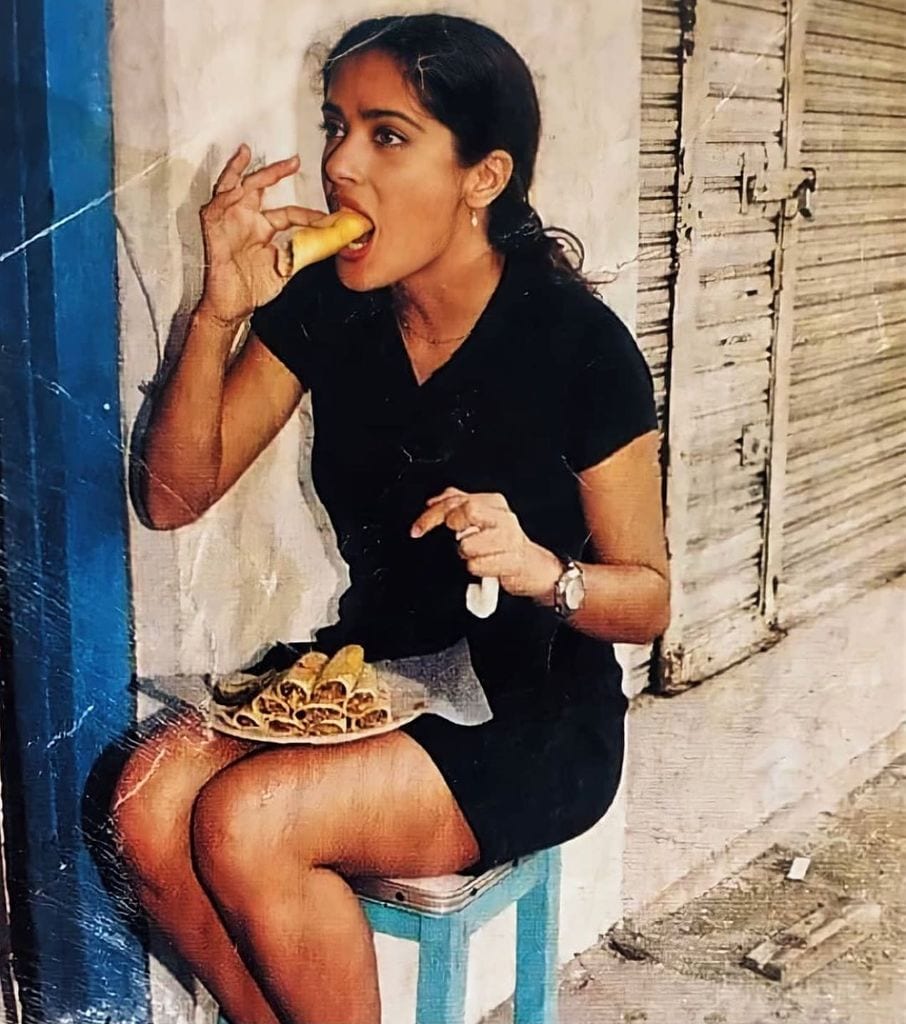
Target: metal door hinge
{"points": [[773, 186], [753, 444]]}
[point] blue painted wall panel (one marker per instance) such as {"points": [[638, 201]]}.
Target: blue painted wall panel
{"points": [[68, 663]]}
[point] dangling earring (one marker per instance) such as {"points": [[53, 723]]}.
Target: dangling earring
{"points": [[474, 219]]}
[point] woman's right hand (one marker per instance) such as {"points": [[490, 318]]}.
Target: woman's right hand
{"points": [[243, 268]]}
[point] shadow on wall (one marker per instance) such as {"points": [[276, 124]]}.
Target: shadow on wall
{"points": [[192, 264]]}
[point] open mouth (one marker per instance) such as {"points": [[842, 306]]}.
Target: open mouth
{"points": [[361, 242], [335, 204]]}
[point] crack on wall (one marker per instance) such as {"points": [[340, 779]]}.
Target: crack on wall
{"points": [[362, 44], [132, 260], [90, 205], [72, 730]]}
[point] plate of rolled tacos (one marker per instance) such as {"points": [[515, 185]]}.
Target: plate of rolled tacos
{"points": [[318, 699]]}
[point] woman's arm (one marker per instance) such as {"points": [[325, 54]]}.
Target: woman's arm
{"points": [[627, 588], [209, 422]]}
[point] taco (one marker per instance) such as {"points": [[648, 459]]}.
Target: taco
{"points": [[370, 692], [340, 674]]}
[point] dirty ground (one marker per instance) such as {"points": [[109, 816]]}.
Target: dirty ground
{"points": [[685, 968]]}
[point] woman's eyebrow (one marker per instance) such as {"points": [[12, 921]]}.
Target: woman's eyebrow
{"points": [[373, 114]]}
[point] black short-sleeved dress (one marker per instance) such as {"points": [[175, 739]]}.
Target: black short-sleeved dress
{"points": [[549, 383]]}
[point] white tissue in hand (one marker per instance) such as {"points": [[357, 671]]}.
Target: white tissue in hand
{"points": [[481, 598]]}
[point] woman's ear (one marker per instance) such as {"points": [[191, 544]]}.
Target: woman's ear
{"points": [[488, 178]]}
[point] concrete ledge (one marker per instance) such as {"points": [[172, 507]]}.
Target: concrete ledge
{"points": [[715, 774], [779, 828]]}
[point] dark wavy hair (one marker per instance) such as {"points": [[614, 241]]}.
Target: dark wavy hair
{"points": [[470, 78]]}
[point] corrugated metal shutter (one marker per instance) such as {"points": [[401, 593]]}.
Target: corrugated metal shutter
{"points": [[723, 326], [661, 69], [661, 35], [844, 511]]}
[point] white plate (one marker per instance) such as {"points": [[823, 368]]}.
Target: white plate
{"points": [[316, 741]]}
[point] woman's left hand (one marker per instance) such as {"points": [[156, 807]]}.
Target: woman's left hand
{"points": [[492, 542]]}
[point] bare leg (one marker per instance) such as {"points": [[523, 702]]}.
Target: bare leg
{"points": [[151, 810], [276, 833]]}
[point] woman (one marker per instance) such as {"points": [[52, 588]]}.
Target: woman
{"points": [[478, 412]]}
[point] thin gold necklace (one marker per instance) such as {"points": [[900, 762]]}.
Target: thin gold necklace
{"points": [[404, 332]]}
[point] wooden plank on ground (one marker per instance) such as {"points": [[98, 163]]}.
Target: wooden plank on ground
{"points": [[814, 941]]}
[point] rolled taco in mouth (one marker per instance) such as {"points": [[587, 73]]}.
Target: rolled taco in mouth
{"points": [[327, 236]]}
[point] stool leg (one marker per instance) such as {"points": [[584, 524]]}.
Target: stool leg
{"points": [[443, 960], [537, 936]]}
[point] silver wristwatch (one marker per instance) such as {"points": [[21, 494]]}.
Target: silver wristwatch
{"points": [[569, 590]]}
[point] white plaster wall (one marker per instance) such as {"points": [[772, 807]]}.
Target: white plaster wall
{"points": [[190, 81]]}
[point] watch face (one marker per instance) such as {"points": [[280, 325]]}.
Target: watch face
{"points": [[574, 593]]}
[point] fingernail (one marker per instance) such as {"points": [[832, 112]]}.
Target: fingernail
{"points": [[416, 531]]}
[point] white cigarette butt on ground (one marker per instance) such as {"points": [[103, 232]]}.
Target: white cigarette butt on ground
{"points": [[798, 868]]}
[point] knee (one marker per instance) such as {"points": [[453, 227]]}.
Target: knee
{"points": [[146, 816], [244, 834], [229, 845]]}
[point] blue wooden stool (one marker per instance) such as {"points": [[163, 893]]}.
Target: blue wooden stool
{"points": [[440, 914]]}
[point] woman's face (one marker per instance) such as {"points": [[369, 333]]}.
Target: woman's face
{"points": [[385, 156]]}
